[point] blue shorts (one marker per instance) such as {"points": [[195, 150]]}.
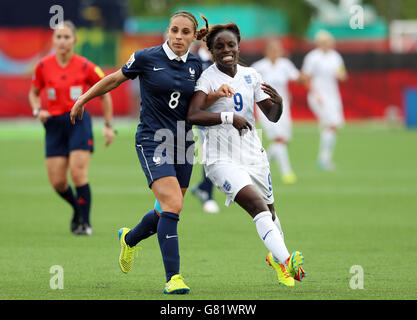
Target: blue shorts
{"points": [[62, 137], [156, 165]]}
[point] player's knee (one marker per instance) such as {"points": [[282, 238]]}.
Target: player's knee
{"points": [[78, 175], [175, 207], [256, 206], [59, 186]]}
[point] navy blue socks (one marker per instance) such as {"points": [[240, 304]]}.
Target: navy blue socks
{"points": [[84, 202], [168, 242], [144, 229], [68, 196], [166, 228]]}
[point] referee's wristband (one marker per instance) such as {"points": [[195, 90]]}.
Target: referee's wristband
{"points": [[108, 125], [227, 117]]}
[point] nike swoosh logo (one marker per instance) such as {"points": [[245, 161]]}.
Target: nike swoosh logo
{"points": [[264, 237], [169, 237], [157, 69]]}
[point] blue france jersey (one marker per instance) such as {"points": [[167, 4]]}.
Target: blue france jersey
{"points": [[166, 88]]}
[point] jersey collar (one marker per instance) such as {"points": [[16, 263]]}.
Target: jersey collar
{"points": [[171, 54]]}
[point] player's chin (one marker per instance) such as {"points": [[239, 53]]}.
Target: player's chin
{"points": [[228, 63]]}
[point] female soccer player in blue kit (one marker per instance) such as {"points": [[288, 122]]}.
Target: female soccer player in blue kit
{"points": [[168, 74]]}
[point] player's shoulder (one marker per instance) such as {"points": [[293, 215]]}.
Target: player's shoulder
{"points": [[259, 64], [247, 71], [148, 52], [47, 60], [196, 61], [211, 71], [193, 58], [151, 51], [335, 53], [285, 60], [82, 62], [314, 53]]}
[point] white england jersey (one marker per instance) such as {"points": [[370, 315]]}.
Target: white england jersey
{"points": [[222, 143], [324, 97], [323, 68], [278, 75]]}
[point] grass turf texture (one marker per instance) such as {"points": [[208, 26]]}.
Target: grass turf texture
{"points": [[363, 213]]}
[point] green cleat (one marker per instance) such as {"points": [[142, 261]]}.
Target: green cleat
{"points": [[283, 276], [294, 263], [126, 252], [176, 285]]}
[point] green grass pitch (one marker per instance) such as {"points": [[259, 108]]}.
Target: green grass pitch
{"points": [[364, 213]]}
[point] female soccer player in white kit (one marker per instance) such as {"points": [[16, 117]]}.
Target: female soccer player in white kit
{"points": [[235, 160], [278, 70], [322, 68]]}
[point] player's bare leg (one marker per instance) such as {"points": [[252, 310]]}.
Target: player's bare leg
{"points": [[57, 168], [57, 172]]}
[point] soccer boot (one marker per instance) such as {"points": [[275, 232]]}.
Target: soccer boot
{"points": [[84, 229], [201, 195], [294, 268], [283, 276], [176, 285], [75, 221], [127, 253], [210, 206], [326, 166]]}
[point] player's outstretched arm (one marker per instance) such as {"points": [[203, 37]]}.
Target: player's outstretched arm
{"points": [[105, 85], [272, 107], [108, 131]]}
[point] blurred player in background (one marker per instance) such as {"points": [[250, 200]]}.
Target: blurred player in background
{"points": [[235, 160], [322, 68], [204, 190], [167, 75], [65, 76], [277, 70]]}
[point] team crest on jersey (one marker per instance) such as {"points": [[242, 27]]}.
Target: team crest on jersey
{"points": [[227, 186], [130, 61], [192, 72], [248, 79]]}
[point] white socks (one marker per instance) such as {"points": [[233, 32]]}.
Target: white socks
{"points": [[326, 147], [271, 236], [278, 224], [279, 152]]}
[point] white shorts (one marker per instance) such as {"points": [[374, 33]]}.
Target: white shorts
{"points": [[230, 178], [273, 130], [329, 112]]}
